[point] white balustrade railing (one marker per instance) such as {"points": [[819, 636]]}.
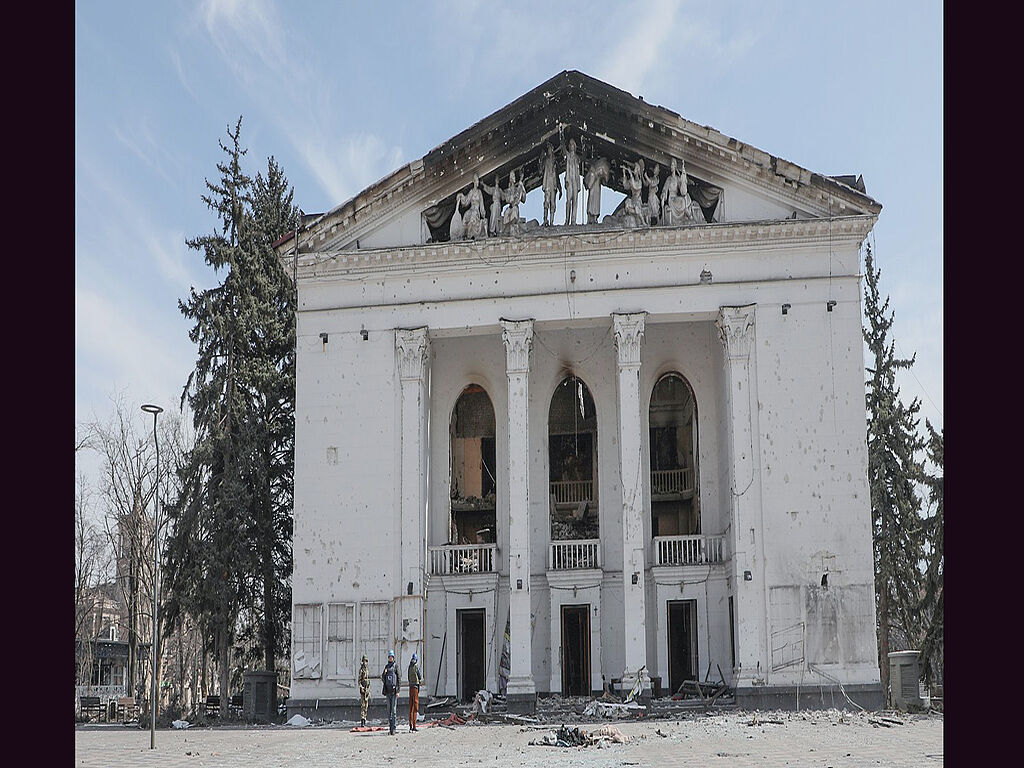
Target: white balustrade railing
{"points": [[572, 491], [463, 558], [672, 480], [577, 553], [688, 550]]}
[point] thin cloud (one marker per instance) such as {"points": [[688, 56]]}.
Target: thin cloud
{"points": [[115, 344], [144, 146], [179, 68], [640, 49], [256, 44], [129, 227]]}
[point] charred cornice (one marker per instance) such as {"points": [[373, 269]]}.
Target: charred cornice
{"points": [[591, 243]]}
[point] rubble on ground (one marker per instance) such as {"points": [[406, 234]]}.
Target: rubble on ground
{"points": [[578, 737]]}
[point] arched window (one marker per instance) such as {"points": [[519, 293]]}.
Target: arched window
{"points": [[472, 518], [572, 461], [675, 504]]}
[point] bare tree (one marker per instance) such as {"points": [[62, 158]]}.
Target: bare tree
{"points": [[127, 490], [91, 566]]}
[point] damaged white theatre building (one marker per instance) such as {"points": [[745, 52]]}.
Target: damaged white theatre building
{"points": [[634, 436]]}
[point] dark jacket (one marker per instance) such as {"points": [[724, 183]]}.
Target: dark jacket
{"points": [[415, 678], [398, 678]]}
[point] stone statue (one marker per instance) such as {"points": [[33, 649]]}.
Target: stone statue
{"points": [[552, 187], [600, 171], [494, 223], [572, 182], [456, 231], [474, 221], [653, 208], [514, 195], [633, 207], [676, 205]]}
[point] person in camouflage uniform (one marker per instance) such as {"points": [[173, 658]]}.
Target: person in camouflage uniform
{"points": [[364, 689]]}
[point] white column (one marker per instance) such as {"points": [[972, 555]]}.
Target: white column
{"points": [[628, 330], [736, 331], [518, 337], [412, 347]]}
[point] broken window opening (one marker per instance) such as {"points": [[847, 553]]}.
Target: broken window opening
{"points": [[472, 512], [675, 488], [572, 462]]}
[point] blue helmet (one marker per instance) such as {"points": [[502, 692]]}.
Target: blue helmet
{"points": [[391, 654], [415, 657]]}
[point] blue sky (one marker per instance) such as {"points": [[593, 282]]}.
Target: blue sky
{"points": [[343, 93]]}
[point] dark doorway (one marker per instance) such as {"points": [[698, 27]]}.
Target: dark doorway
{"points": [[472, 656], [682, 642], [576, 650]]}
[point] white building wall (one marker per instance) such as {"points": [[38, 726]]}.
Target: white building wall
{"points": [[816, 504], [347, 505], [810, 453]]}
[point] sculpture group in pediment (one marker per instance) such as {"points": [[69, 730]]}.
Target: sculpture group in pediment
{"points": [[676, 202], [669, 204], [473, 223]]}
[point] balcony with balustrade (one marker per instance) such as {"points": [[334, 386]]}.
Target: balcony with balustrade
{"points": [[688, 551], [672, 483], [575, 532], [459, 559]]}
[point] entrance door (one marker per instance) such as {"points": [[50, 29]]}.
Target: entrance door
{"points": [[576, 650], [682, 642], [472, 654]]}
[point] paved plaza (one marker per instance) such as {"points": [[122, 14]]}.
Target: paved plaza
{"points": [[818, 738]]}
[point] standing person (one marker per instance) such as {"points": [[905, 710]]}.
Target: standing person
{"points": [[364, 689], [415, 676], [392, 684]]}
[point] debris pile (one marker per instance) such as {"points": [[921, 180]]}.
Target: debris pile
{"points": [[597, 708], [578, 737], [481, 701]]}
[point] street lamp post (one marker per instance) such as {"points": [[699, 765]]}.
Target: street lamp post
{"points": [[154, 409]]}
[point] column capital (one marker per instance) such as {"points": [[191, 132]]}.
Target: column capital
{"points": [[628, 330], [412, 345], [736, 329], [518, 337]]}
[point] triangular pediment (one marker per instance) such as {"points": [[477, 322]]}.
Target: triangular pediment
{"points": [[732, 181]]}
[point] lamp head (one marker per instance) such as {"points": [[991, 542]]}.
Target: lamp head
{"points": [[154, 409]]}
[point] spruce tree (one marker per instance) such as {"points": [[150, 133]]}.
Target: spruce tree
{"points": [[931, 603], [228, 551], [272, 419], [207, 559], [893, 471]]}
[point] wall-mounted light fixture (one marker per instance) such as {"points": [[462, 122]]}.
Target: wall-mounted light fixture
{"points": [[323, 337], [748, 576], [785, 308], [364, 333], [831, 303], [409, 588], [572, 275], [519, 583], [705, 277], [636, 577]]}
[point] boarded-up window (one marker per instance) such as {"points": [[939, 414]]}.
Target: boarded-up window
{"points": [[375, 633], [306, 641], [787, 638], [341, 629]]}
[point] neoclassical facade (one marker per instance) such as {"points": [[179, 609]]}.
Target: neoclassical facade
{"points": [[548, 455]]}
